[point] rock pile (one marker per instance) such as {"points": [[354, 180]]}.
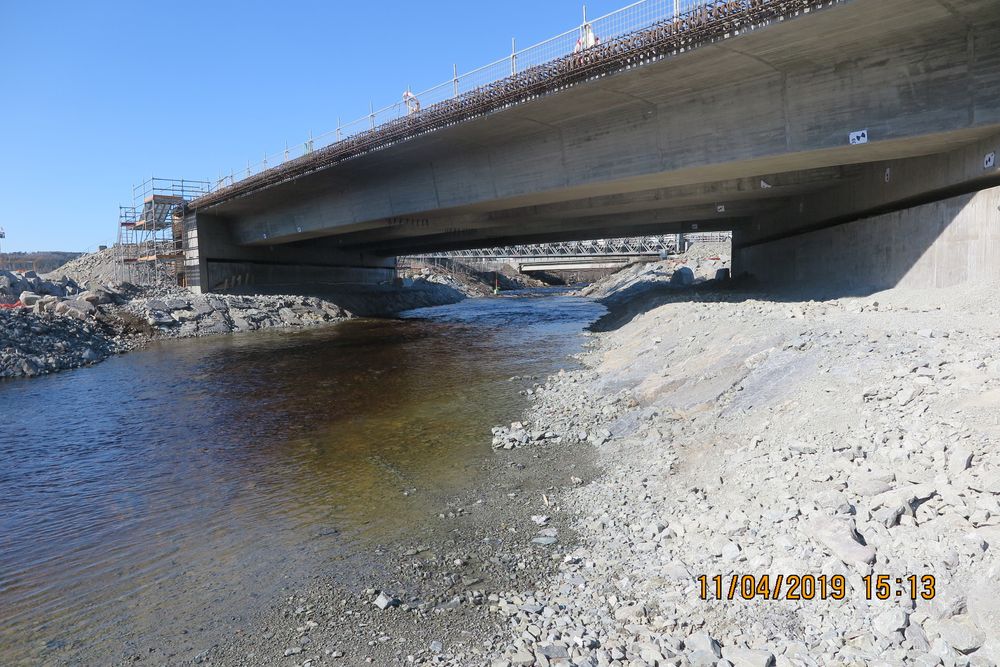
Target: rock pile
{"points": [[62, 326], [13, 285], [97, 267], [710, 249], [646, 276], [32, 344], [468, 280], [179, 313]]}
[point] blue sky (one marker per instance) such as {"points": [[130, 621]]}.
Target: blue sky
{"points": [[96, 96]]}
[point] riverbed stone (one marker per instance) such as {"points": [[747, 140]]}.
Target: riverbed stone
{"points": [[384, 601]]}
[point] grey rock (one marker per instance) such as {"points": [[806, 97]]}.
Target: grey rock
{"points": [[984, 606], [890, 622], [959, 459], [745, 657], [384, 601], [553, 651], [841, 539], [29, 298], [682, 276], [961, 634], [702, 641]]}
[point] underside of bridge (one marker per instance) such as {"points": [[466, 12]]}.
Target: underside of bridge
{"points": [[851, 142]]}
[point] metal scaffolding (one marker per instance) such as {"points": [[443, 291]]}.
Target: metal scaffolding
{"points": [[150, 248]]}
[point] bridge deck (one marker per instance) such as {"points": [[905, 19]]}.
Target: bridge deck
{"points": [[708, 23]]}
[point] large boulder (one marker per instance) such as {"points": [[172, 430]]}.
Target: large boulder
{"points": [[682, 276], [97, 296], [80, 309], [29, 298]]}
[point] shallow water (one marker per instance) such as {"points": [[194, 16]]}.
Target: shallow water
{"points": [[159, 496]]}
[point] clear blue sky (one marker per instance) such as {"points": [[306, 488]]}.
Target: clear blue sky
{"points": [[96, 96]]}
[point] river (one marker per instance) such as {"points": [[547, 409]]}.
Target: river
{"points": [[149, 499]]}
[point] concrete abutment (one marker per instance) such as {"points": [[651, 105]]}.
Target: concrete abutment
{"points": [[214, 263], [948, 243]]}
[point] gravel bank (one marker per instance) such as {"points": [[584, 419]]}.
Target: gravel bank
{"points": [[434, 600], [758, 434]]}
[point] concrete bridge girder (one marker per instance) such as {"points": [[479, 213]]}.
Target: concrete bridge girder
{"points": [[573, 229], [804, 99], [657, 147]]}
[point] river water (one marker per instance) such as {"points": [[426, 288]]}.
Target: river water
{"points": [[150, 498]]}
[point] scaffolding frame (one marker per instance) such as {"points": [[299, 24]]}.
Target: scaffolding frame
{"points": [[150, 248]]}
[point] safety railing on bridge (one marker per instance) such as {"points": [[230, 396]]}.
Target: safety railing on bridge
{"points": [[596, 43]]}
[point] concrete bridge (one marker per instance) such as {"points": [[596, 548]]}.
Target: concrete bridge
{"points": [[840, 140]]}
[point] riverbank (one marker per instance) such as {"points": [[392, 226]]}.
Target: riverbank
{"points": [[431, 598], [51, 333], [52, 324], [714, 430], [761, 434], [323, 474]]}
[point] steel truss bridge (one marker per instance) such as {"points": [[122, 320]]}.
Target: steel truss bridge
{"points": [[643, 246]]}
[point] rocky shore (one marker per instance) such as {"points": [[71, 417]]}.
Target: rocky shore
{"points": [[49, 323], [59, 324], [750, 434]]}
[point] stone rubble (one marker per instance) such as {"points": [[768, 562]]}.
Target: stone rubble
{"points": [[101, 267], [62, 324], [750, 434], [642, 277], [468, 280]]}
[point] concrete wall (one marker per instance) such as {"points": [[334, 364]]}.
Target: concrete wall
{"points": [[213, 263], [944, 244], [883, 186]]}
